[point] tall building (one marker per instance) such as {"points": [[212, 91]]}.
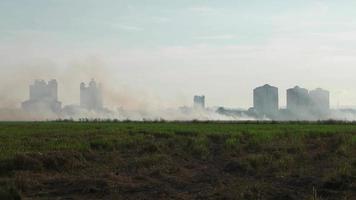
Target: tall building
{"points": [[91, 96], [43, 97], [265, 100], [320, 101], [298, 99], [199, 102]]}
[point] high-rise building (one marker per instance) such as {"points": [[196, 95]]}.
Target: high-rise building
{"points": [[43, 97], [199, 102], [298, 99], [320, 101], [265, 100], [91, 96]]}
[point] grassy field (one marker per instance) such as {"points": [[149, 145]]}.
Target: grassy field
{"points": [[177, 160]]}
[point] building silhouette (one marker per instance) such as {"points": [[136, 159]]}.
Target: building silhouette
{"points": [[298, 99], [265, 100], [320, 102], [199, 102], [91, 96], [43, 97]]}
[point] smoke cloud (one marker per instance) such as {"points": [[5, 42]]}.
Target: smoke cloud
{"points": [[121, 101]]}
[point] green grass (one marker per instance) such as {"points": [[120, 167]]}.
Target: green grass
{"points": [[21, 137]]}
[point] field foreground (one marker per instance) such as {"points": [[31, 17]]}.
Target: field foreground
{"points": [[132, 160]]}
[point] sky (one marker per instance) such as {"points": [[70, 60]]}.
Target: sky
{"points": [[162, 52]]}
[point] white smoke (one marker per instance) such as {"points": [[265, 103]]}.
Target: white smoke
{"points": [[122, 101]]}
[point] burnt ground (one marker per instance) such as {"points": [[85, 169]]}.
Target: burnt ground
{"points": [[217, 167]]}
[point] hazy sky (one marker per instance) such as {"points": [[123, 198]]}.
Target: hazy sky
{"points": [[154, 51]]}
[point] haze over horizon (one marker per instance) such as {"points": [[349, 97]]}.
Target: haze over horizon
{"points": [[160, 53]]}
